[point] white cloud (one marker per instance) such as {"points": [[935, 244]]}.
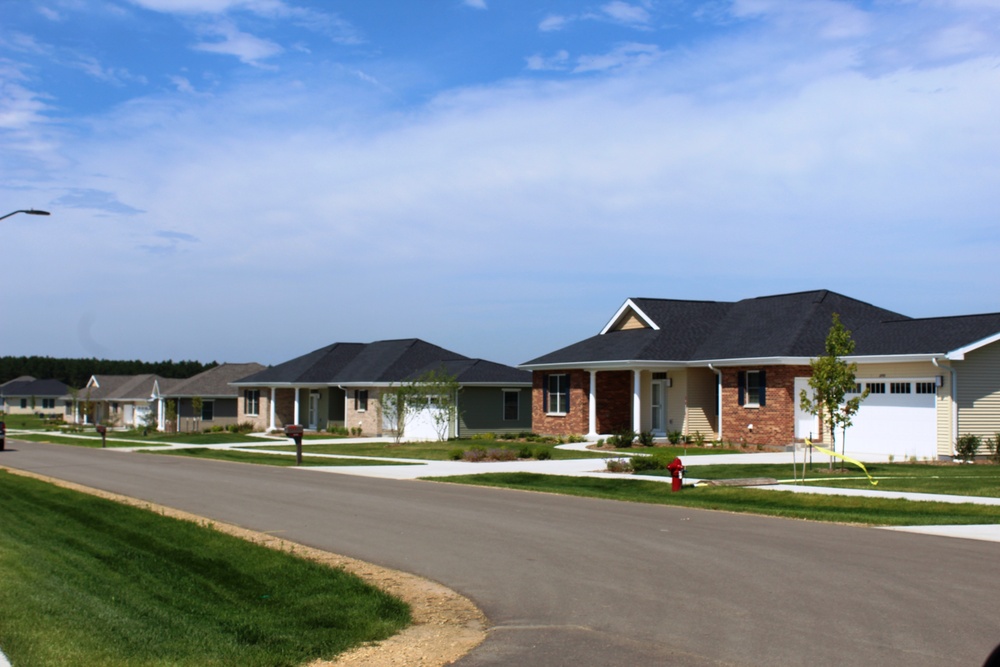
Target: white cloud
{"points": [[212, 6], [248, 48], [627, 13], [557, 62], [553, 22], [829, 19], [117, 76], [475, 4], [626, 55]]}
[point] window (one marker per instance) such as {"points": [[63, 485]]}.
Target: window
{"points": [[207, 411], [926, 388], [856, 389], [511, 405], [24, 402], [899, 387], [557, 394], [752, 388], [360, 400], [876, 387], [48, 403], [251, 402]]}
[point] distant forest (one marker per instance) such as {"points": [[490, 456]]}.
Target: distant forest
{"points": [[76, 372]]}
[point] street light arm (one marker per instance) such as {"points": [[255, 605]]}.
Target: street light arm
{"points": [[29, 211]]}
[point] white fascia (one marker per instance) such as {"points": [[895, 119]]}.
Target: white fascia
{"points": [[619, 365], [629, 304], [959, 354]]}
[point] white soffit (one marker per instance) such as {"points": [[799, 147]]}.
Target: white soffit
{"points": [[629, 305]]}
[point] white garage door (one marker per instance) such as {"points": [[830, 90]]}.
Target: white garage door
{"points": [[897, 418]]}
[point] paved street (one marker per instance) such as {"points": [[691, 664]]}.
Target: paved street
{"points": [[567, 581]]}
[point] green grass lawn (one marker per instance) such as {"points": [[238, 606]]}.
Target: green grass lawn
{"points": [[843, 509], [433, 451], [57, 439], [85, 581], [269, 459], [119, 439], [28, 422], [949, 478]]}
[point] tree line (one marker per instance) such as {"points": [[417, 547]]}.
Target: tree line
{"points": [[76, 372]]}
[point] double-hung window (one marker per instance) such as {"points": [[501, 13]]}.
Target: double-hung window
{"points": [[207, 410], [752, 389], [361, 400], [251, 402], [511, 404], [557, 394]]}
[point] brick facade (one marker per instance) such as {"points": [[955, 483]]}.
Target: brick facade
{"points": [[774, 423], [576, 420], [614, 401]]}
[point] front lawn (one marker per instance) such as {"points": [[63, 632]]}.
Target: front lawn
{"points": [[269, 459], [131, 439], [84, 441], [432, 451], [85, 581], [843, 509], [947, 478]]}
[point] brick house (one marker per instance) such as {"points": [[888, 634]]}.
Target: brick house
{"points": [[733, 371]]}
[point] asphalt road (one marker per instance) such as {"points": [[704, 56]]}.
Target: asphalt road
{"points": [[569, 581]]}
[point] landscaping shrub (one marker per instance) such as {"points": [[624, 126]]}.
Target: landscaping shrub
{"points": [[456, 454], [543, 454], [501, 454], [484, 436], [993, 444], [524, 452], [622, 438], [646, 438], [649, 463], [967, 446], [474, 455], [336, 429], [674, 437], [619, 465]]}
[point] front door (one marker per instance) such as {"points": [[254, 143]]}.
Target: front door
{"points": [[658, 400], [314, 410]]}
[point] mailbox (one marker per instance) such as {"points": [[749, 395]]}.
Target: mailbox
{"points": [[3, 434], [294, 431], [103, 430]]}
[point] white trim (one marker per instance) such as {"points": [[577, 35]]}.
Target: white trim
{"points": [[629, 304], [630, 364], [592, 406], [636, 400], [959, 354]]}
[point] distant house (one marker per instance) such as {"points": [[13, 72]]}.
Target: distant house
{"points": [[118, 400], [26, 396], [734, 371], [342, 385], [218, 397]]}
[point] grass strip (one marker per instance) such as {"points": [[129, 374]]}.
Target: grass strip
{"points": [[952, 479], [840, 509], [87, 581], [86, 441], [270, 459], [433, 451]]}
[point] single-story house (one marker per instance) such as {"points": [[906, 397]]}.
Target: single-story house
{"points": [[26, 395], [218, 398], [119, 400], [342, 385], [733, 371]]}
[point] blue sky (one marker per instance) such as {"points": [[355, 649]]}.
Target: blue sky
{"points": [[248, 180]]}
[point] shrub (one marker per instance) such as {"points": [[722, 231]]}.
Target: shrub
{"points": [[543, 454], [648, 463], [501, 454], [576, 438], [619, 465], [967, 446], [524, 452], [484, 436], [356, 431], [674, 437], [474, 455], [699, 439], [646, 438], [456, 454], [993, 445], [508, 436], [622, 438], [336, 429]]}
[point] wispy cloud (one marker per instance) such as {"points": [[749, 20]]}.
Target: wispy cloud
{"points": [[557, 62], [475, 4], [553, 22], [248, 48], [97, 200], [626, 55], [627, 13]]}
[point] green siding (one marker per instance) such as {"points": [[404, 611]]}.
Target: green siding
{"points": [[481, 411]]}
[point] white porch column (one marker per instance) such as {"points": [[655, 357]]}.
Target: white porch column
{"points": [[636, 402], [593, 404], [297, 419], [160, 426], [271, 410]]}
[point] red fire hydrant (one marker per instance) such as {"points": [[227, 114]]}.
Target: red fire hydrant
{"points": [[676, 469]]}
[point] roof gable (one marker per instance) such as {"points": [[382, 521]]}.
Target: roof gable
{"points": [[213, 382]]}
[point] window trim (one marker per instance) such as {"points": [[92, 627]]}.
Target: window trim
{"points": [[516, 393], [210, 404], [743, 388], [549, 394], [248, 402], [361, 400]]}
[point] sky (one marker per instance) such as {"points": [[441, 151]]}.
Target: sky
{"points": [[249, 180]]}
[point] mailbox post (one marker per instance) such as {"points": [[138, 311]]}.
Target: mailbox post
{"points": [[294, 431], [3, 434], [103, 430]]}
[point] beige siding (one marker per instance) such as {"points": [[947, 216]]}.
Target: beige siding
{"points": [[676, 398], [979, 392], [702, 395]]}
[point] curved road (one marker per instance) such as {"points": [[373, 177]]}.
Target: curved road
{"points": [[569, 581]]}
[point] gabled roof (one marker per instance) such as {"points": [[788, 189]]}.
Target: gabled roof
{"points": [[381, 362], [781, 327], [120, 387], [29, 386], [213, 383]]}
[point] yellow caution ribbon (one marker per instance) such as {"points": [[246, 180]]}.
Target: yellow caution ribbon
{"points": [[856, 462]]}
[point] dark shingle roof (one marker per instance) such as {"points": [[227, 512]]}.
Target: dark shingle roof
{"points": [[786, 325], [381, 362], [213, 383], [33, 387]]}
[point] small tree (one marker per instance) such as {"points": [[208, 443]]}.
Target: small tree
{"points": [[171, 414], [441, 389], [196, 405], [832, 378], [399, 405]]}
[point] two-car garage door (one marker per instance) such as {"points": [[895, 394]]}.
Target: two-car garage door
{"points": [[898, 417]]}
